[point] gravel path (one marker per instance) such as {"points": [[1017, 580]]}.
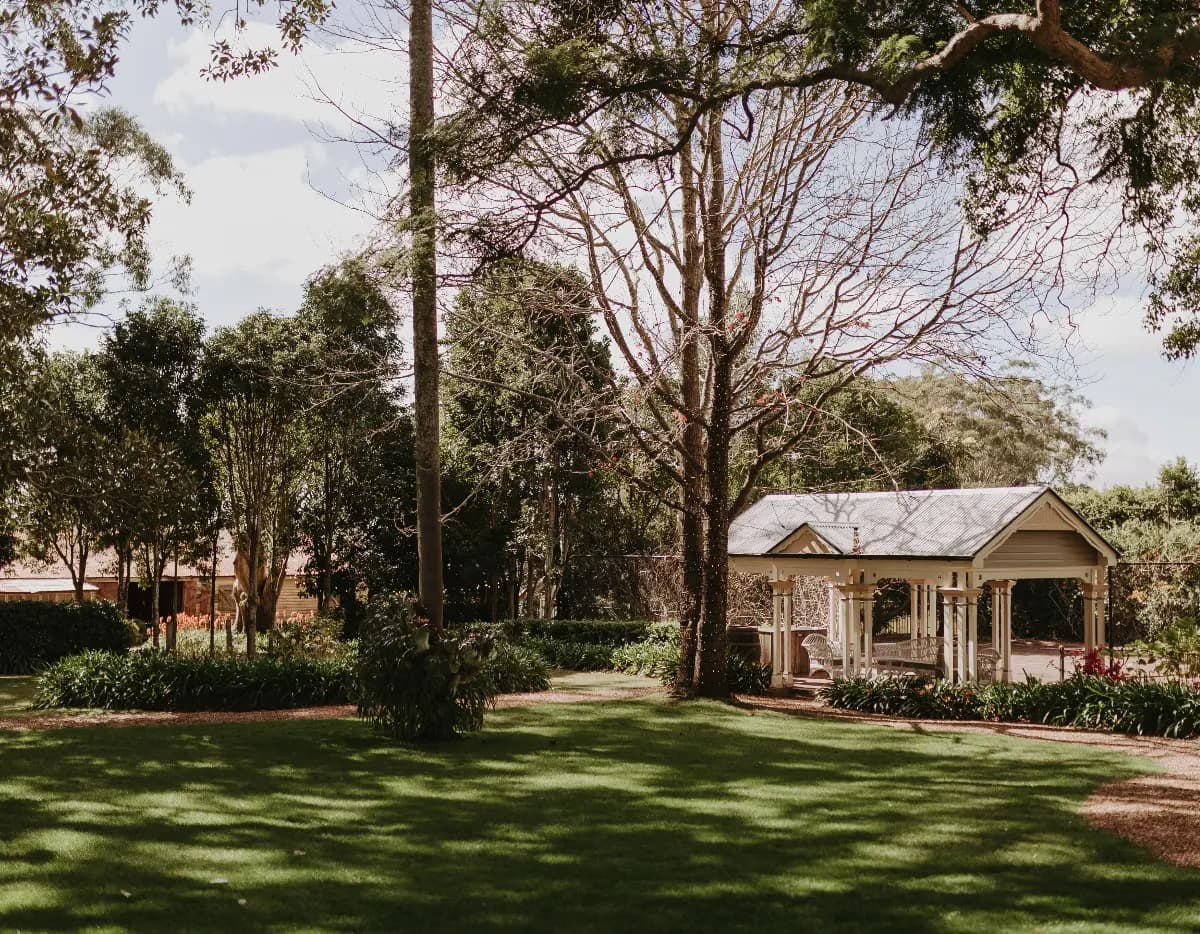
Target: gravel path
{"points": [[54, 721], [1160, 812]]}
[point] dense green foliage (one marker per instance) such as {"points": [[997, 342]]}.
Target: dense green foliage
{"points": [[35, 633], [1090, 702], [521, 825], [1156, 529], [150, 680], [657, 656], [412, 686], [611, 632], [515, 669]]}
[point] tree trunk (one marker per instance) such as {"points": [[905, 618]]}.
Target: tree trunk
{"points": [[711, 679], [173, 619], [251, 616], [212, 601], [424, 311], [156, 593], [550, 564], [691, 522]]}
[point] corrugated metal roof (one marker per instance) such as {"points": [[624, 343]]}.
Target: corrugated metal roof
{"points": [[905, 524], [42, 585]]}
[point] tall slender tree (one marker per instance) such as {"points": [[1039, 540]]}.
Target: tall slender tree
{"points": [[426, 363]]}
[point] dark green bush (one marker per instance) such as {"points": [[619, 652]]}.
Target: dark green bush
{"points": [[610, 632], [149, 680], [1135, 706], [658, 657], [34, 633], [415, 688], [515, 669], [576, 656]]}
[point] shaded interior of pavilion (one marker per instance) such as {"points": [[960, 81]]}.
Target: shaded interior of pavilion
{"points": [[958, 554]]}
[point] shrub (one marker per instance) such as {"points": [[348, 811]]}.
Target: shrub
{"points": [[515, 669], [658, 657], [610, 632], [150, 680], [34, 633], [415, 688], [577, 656], [314, 636], [1131, 705]]}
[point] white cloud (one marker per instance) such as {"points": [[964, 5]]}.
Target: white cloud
{"points": [[257, 214], [360, 82]]}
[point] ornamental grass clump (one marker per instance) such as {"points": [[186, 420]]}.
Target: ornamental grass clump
{"points": [[414, 685]]}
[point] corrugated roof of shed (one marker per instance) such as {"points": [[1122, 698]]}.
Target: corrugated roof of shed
{"points": [[904, 524]]}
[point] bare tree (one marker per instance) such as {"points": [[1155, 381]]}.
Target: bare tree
{"points": [[784, 248]]}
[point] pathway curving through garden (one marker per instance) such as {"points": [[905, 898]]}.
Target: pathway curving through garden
{"points": [[1160, 812], [55, 721]]}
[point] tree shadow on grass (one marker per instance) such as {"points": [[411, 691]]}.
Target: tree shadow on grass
{"points": [[578, 817]]}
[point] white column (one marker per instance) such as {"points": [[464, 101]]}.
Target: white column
{"points": [[831, 628], [846, 628], [776, 634], [997, 633], [914, 609], [971, 595], [787, 634], [868, 631], [931, 610], [947, 636], [1089, 616], [1005, 603]]}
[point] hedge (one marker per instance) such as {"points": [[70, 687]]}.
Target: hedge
{"points": [[150, 680], [34, 633], [1138, 706], [610, 632]]}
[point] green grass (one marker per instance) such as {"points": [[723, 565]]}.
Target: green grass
{"points": [[601, 817], [16, 694]]}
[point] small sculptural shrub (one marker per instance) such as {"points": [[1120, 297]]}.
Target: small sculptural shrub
{"points": [[414, 686]]}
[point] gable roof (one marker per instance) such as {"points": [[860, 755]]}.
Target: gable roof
{"points": [[890, 524]]}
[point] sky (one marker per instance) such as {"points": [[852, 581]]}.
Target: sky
{"points": [[274, 199]]}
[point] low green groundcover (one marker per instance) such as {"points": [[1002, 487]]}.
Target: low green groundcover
{"points": [[592, 818], [1090, 702]]}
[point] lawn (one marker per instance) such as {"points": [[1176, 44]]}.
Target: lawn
{"points": [[16, 694], [640, 815]]}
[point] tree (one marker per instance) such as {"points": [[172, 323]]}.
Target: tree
{"points": [[749, 278], [1011, 430], [63, 488], [1035, 98], [527, 368], [423, 262], [353, 359], [151, 373], [254, 422]]}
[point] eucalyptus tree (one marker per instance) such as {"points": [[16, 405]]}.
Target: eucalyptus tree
{"points": [[63, 487], [353, 363], [152, 379], [257, 395], [527, 372]]}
